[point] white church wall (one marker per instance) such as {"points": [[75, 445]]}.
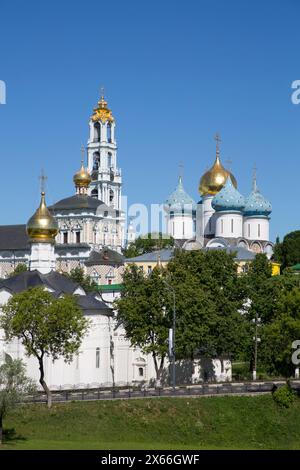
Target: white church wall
{"points": [[229, 224], [256, 228]]}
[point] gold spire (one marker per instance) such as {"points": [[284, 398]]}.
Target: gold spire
{"points": [[82, 178], [102, 112], [42, 227], [214, 179]]}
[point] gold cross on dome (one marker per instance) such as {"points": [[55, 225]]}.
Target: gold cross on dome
{"points": [[102, 91], [217, 138], [229, 163], [82, 154], [43, 178]]}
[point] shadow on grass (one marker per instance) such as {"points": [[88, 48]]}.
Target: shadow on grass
{"points": [[10, 436]]}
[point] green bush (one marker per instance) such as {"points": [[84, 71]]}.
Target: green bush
{"points": [[284, 396]]}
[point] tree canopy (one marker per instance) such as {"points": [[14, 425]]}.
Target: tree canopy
{"points": [[287, 252], [45, 325], [148, 243], [86, 282]]}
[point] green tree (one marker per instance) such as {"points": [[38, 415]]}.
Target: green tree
{"points": [[20, 268], [141, 310], [14, 386], [279, 334], [148, 243], [288, 251], [209, 297], [45, 325], [86, 282]]}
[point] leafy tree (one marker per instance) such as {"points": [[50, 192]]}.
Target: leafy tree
{"points": [[288, 251], [279, 334], [148, 243], [45, 325], [14, 386], [20, 268], [209, 297], [86, 282], [141, 310]]}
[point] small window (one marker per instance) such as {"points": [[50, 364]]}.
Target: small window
{"points": [[222, 226], [182, 228], [105, 213], [109, 160], [149, 270], [171, 215], [141, 371], [231, 225], [248, 230], [77, 237], [97, 358], [65, 237], [258, 230], [108, 132]]}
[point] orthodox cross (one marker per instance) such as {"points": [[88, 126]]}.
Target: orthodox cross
{"points": [[82, 154], [181, 167], [254, 184], [229, 163], [43, 178], [218, 140], [102, 91]]}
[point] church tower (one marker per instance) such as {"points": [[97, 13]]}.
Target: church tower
{"points": [[102, 157]]}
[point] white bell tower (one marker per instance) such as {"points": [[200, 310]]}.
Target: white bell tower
{"points": [[102, 157]]}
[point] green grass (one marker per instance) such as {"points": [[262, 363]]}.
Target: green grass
{"points": [[164, 423]]}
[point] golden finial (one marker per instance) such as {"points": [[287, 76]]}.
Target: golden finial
{"points": [[82, 154], [42, 227], [43, 178], [218, 140]]}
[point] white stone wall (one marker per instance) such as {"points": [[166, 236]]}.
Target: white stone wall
{"points": [[256, 228], [229, 224]]}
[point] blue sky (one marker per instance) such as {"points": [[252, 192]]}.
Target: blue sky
{"points": [[174, 73]]}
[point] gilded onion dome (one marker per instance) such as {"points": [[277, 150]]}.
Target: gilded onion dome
{"points": [[228, 199], [102, 112], [42, 227], [215, 178], [82, 178]]}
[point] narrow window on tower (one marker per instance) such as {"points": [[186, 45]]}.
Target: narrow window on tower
{"points": [[77, 237], [108, 132], [231, 225], [258, 230], [109, 160], [97, 132], [248, 230], [182, 228], [97, 358], [65, 237], [222, 226]]}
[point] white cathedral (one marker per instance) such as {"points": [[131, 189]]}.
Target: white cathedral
{"points": [[86, 229], [223, 218]]}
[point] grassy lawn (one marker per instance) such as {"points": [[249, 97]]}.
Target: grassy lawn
{"points": [[162, 423]]}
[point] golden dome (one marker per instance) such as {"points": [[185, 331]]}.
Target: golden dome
{"points": [[42, 226], [82, 178], [102, 112], [215, 178]]}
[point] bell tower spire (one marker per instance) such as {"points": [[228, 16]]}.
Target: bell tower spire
{"points": [[106, 181]]}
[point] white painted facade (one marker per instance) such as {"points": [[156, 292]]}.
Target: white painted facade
{"points": [[228, 224]]}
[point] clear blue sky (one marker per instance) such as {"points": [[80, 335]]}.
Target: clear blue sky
{"points": [[174, 72]]}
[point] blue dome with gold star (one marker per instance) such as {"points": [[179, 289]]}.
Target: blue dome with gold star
{"points": [[228, 199], [257, 204], [179, 200]]}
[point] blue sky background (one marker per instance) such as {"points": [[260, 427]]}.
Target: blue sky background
{"points": [[174, 73]]}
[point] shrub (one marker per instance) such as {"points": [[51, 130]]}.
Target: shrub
{"points": [[284, 396]]}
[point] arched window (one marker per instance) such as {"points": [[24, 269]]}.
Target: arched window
{"points": [[141, 371], [96, 160], [97, 358], [94, 193], [97, 132], [109, 160], [108, 132]]}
